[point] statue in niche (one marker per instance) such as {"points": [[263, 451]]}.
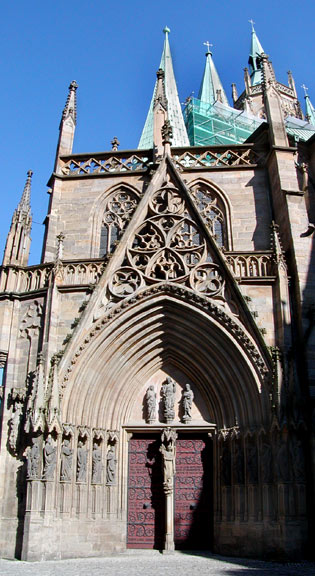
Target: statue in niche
{"points": [[168, 394], [283, 462], [150, 399], [50, 456], [266, 456], [167, 450], [297, 455], [187, 400], [96, 464], [226, 465], [111, 464], [82, 454], [238, 464], [33, 460], [66, 461], [252, 464]]}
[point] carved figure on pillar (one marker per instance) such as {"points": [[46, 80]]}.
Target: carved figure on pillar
{"points": [[168, 452], [111, 465], [49, 459], [266, 458], [150, 399], [168, 394], [187, 400], [252, 464], [66, 461], [33, 460], [82, 454], [297, 456], [96, 464]]}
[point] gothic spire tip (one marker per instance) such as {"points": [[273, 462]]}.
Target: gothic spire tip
{"points": [[166, 30]]}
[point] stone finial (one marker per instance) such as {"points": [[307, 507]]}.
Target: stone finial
{"points": [[70, 108], [115, 143]]}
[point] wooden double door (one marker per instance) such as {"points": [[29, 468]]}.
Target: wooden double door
{"points": [[192, 493]]}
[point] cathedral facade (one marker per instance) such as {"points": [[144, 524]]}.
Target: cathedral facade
{"points": [[158, 364]]}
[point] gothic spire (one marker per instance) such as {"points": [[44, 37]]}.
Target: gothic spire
{"points": [[19, 240], [174, 110], [211, 88], [67, 124], [309, 108], [256, 50]]}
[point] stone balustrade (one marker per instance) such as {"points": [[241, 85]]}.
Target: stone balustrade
{"points": [[249, 265]]}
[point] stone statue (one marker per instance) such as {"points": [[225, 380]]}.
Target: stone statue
{"points": [[14, 425], [266, 457], [150, 399], [111, 463], [96, 464], [238, 464], [187, 400], [167, 450], [252, 464], [168, 393], [66, 461], [33, 460], [49, 459], [283, 462], [82, 454], [297, 455], [226, 465]]}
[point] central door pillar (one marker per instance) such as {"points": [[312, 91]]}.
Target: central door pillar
{"points": [[168, 452]]}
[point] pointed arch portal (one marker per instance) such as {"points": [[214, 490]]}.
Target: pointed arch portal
{"points": [[159, 332]]}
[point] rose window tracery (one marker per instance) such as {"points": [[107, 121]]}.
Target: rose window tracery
{"points": [[117, 213]]}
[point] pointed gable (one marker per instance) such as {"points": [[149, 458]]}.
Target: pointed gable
{"points": [[175, 115]]}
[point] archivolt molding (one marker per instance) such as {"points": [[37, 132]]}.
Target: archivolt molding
{"points": [[147, 344]]}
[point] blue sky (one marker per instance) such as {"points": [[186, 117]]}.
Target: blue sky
{"points": [[113, 49]]}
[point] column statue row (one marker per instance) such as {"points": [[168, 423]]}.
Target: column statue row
{"points": [[44, 457]]}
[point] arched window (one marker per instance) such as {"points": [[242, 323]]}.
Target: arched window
{"points": [[119, 207], [212, 210]]}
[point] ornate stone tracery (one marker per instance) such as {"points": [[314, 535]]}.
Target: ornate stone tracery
{"points": [[169, 246], [118, 210]]}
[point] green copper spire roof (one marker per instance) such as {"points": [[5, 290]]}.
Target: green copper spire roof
{"points": [[310, 111], [256, 50], [175, 115], [211, 88]]}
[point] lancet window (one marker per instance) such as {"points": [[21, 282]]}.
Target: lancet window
{"points": [[213, 211], [119, 208]]}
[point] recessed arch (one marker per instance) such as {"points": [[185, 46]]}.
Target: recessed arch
{"points": [[156, 331]]}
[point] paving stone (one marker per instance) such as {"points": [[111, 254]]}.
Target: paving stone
{"points": [[153, 563]]}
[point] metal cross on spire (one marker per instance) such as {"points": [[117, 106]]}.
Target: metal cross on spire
{"points": [[208, 45], [251, 21], [305, 88]]}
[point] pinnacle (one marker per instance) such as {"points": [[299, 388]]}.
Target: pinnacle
{"points": [[24, 204]]}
